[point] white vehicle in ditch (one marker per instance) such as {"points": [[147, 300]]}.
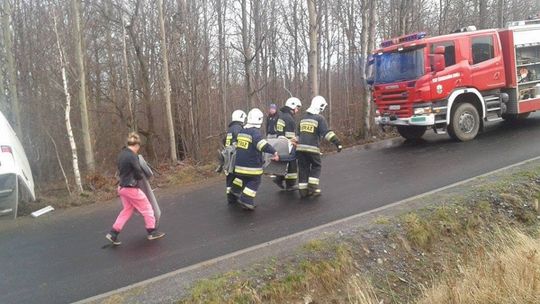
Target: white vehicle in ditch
{"points": [[16, 181]]}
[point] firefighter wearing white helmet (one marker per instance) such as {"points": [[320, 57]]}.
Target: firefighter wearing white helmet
{"points": [[238, 118], [249, 162], [286, 126], [312, 128]]}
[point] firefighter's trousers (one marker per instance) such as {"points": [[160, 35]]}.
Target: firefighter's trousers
{"points": [[245, 187], [292, 174], [309, 172]]}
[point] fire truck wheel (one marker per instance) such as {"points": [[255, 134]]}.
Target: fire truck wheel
{"points": [[465, 122], [411, 132]]}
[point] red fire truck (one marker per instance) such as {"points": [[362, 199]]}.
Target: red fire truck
{"points": [[458, 82]]}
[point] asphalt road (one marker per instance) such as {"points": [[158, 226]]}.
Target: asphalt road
{"points": [[59, 259]]}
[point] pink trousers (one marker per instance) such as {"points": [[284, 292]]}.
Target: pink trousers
{"points": [[134, 198]]}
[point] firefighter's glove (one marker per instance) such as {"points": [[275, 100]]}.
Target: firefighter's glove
{"points": [[339, 147]]}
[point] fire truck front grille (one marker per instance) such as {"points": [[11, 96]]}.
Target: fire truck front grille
{"points": [[395, 103]]}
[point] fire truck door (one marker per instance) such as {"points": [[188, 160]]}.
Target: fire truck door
{"points": [[487, 68], [447, 80]]}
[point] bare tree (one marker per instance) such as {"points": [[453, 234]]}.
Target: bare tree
{"points": [[11, 67], [313, 58], [369, 21], [85, 122], [167, 89], [144, 78], [482, 13], [248, 56], [3, 101], [500, 13], [443, 15], [328, 58], [221, 9], [67, 110]]}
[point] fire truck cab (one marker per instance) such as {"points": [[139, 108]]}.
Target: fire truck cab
{"points": [[456, 83]]}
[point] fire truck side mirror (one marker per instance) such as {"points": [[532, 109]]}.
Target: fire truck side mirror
{"points": [[438, 63], [440, 49], [437, 59]]}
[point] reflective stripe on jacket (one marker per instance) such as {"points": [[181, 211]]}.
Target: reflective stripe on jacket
{"points": [[249, 148], [311, 128]]}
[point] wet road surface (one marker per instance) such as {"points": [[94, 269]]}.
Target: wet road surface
{"points": [[59, 259]]}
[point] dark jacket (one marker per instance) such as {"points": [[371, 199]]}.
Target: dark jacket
{"points": [[249, 150], [286, 125], [234, 128], [129, 168], [271, 121], [312, 127]]}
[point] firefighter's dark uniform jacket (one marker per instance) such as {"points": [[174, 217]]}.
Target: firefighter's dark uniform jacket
{"points": [[312, 128], [249, 147], [234, 128], [286, 125]]}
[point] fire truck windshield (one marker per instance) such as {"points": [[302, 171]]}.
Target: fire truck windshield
{"points": [[399, 66]]}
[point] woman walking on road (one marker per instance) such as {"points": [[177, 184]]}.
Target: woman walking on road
{"points": [[132, 197]]}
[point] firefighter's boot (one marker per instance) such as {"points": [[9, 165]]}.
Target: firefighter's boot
{"points": [[313, 187], [303, 190], [279, 180]]}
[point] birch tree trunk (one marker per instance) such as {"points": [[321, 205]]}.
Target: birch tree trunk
{"points": [[168, 108], [3, 101], [313, 55], [67, 111], [11, 69], [85, 122]]}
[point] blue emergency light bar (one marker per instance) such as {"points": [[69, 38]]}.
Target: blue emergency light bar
{"points": [[412, 37]]}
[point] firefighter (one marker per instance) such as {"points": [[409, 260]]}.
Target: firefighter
{"points": [[249, 160], [286, 126], [271, 120], [238, 119], [235, 127], [312, 127]]}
